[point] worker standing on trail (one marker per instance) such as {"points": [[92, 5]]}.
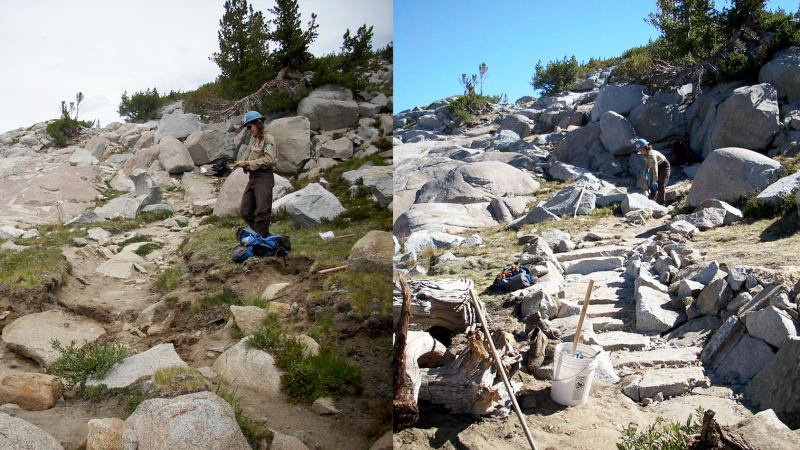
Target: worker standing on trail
{"points": [[660, 167], [256, 206]]}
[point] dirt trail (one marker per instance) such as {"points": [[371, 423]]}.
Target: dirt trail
{"points": [[115, 302]]}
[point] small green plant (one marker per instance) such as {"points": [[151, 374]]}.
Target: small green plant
{"points": [[178, 378], [662, 435], [135, 239], [168, 279], [148, 248], [210, 301], [76, 365], [254, 432], [131, 395], [736, 65], [755, 209], [63, 129]]}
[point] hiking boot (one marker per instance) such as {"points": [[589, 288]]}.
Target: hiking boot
{"points": [[536, 351], [535, 321]]}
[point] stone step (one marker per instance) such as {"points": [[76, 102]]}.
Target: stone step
{"points": [[617, 310], [576, 292], [618, 340], [589, 266], [593, 252], [656, 357], [607, 278], [603, 324], [671, 382]]}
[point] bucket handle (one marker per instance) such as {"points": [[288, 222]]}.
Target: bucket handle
{"points": [[579, 372]]}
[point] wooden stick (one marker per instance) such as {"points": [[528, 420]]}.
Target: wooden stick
{"points": [[342, 237], [500, 367], [580, 197], [333, 269], [583, 316]]}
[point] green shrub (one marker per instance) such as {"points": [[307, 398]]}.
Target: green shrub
{"points": [[662, 435], [755, 209], [786, 34], [168, 279], [465, 106], [148, 248], [141, 106], [94, 360], [735, 66], [556, 77], [63, 129]]}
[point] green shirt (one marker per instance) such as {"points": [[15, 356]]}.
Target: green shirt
{"points": [[653, 159], [263, 154]]}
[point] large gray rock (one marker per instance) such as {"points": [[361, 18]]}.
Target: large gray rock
{"points": [[380, 184], [122, 183], [209, 145], [671, 382], [749, 119], [657, 121], [536, 215], [508, 140], [729, 173], [563, 172], [777, 386], [705, 219], [633, 202], [732, 214], [566, 201], [620, 99], [746, 359], [517, 123], [445, 217], [618, 135], [187, 422], [127, 206], [329, 108], [478, 182], [724, 339], [372, 253], [250, 368], [308, 206], [427, 239], [146, 185], [83, 158], [341, 148], [591, 265], [97, 146], [174, 156], [140, 366], [17, 434], [293, 141], [772, 325], [653, 311], [783, 72], [574, 147], [765, 430], [179, 126], [781, 188], [31, 335]]}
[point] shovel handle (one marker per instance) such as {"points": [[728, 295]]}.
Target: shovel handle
{"points": [[583, 316]]}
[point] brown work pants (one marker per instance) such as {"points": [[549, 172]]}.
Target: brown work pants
{"points": [[256, 206], [663, 179]]}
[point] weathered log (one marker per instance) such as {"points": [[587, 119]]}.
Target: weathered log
{"points": [[470, 384], [713, 436], [404, 399], [444, 303]]}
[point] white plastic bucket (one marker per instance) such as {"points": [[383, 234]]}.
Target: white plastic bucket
{"points": [[572, 377]]}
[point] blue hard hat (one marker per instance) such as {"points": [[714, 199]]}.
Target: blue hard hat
{"points": [[639, 144], [252, 116]]}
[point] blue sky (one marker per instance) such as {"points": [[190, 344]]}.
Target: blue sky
{"points": [[437, 41]]}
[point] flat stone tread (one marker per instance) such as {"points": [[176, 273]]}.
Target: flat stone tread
{"points": [[670, 375], [602, 324], [605, 278], [618, 310], [603, 294], [652, 358], [618, 340], [592, 252]]}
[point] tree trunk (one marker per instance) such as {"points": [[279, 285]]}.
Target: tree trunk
{"points": [[404, 402]]}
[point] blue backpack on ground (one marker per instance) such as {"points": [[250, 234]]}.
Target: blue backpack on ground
{"points": [[253, 244], [513, 278]]}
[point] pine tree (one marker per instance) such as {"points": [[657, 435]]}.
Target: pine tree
{"points": [[292, 42], [243, 49]]}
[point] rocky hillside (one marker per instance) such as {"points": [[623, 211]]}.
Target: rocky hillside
{"points": [[121, 244], [694, 303]]}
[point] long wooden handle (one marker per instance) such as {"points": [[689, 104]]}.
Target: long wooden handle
{"points": [[583, 316], [333, 269], [500, 367]]}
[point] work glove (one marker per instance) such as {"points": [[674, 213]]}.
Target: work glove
{"points": [[239, 164], [654, 186]]}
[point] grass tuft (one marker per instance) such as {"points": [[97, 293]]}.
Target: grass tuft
{"points": [[76, 365]]}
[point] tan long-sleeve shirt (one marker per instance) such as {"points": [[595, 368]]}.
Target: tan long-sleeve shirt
{"points": [[263, 153], [653, 159]]}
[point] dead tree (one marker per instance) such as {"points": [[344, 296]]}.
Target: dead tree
{"points": [[713, 436], [445, 303], [404, 402]]}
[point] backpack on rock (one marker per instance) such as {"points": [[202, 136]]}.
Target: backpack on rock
{"points": [[513, 278]]}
